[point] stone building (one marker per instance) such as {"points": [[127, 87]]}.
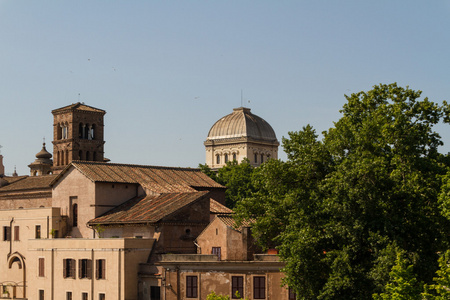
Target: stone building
{"points": [[240, 135], [83, 228]]}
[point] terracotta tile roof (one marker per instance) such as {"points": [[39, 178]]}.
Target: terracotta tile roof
{"points": [[217, 208], [158, 179], [29, 182], [148, 209], [78, 106], [229, 221]]}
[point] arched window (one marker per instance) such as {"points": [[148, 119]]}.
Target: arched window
{"points": [[80, 155], [75, 215], [226, 158], [91, 135], [87, 155], [67, 157], [217, 159], [80, 131], [262, 158], [234, 156], [256, 158], [58, 131]]}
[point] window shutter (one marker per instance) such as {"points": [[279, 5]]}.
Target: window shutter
{"points": [[89, 269], [194, 286], [97, 266], [80, 268], [41, 267], [16, 233], [64, 268], [72, 268], [103, 268]]}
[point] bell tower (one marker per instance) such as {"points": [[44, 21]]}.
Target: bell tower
{"points": [[77, 135]]}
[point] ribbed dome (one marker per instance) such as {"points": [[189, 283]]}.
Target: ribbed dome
{"points": [[44, 153], [242, 123]]}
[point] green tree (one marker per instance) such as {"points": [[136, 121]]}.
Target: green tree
{"points": [[339, 207], [440, 290], [236, 177], [403, 284]]}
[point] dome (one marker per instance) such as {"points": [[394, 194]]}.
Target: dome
{"points": [[44, 154], [242, 123]]}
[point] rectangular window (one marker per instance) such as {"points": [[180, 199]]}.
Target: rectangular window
{"points": [[155, 293], [16, 233], [85, 268], [84, 296], [68, 295], [237, 287], [6, 233], [101, 296], [69, 268], [100, 269], [259, 287], [191, 286], [41, 267], [38, 232], [217, 251], [292, 295], [41, 294]]}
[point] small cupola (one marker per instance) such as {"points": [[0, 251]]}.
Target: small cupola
{"points": [[43, 163]]}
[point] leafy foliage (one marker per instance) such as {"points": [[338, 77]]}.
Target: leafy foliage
{"points": [[339, 209], [440, 290], [236, 177], [403, 284]]}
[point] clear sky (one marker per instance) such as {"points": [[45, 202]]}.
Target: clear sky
{"points": [[165, 71]]}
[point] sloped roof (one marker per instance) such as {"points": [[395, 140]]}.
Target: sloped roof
{"points": [[229, 221], [28, 182], [159, 179], [217, 208], [148, 209], [78, 106]]}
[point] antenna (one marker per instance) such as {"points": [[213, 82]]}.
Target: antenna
{"points": [[78, 97]]}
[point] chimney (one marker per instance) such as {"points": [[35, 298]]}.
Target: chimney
{"points": [[2, 168]]}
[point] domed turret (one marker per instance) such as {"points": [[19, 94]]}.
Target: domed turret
{"points": [[43, 163], [240, 135]]}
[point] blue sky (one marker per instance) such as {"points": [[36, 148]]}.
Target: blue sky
{"points": [[165, 71]]}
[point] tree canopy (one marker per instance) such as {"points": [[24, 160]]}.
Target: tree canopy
{"points": [[342, 207]]}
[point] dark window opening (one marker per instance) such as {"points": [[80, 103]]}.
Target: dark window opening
{"points": [[217, 159], [217, 251], [226, 158], [259, 287], [256, 158], [292, 295], [37, 234], [100, 269], [6, 233], [68, 295], [155, 293], [237, 287], [69, 268], [85, 268], [84, 296], [191, 286], [262, 158], [75, 215], [41, 294], [102, 296], [234, 156]]}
